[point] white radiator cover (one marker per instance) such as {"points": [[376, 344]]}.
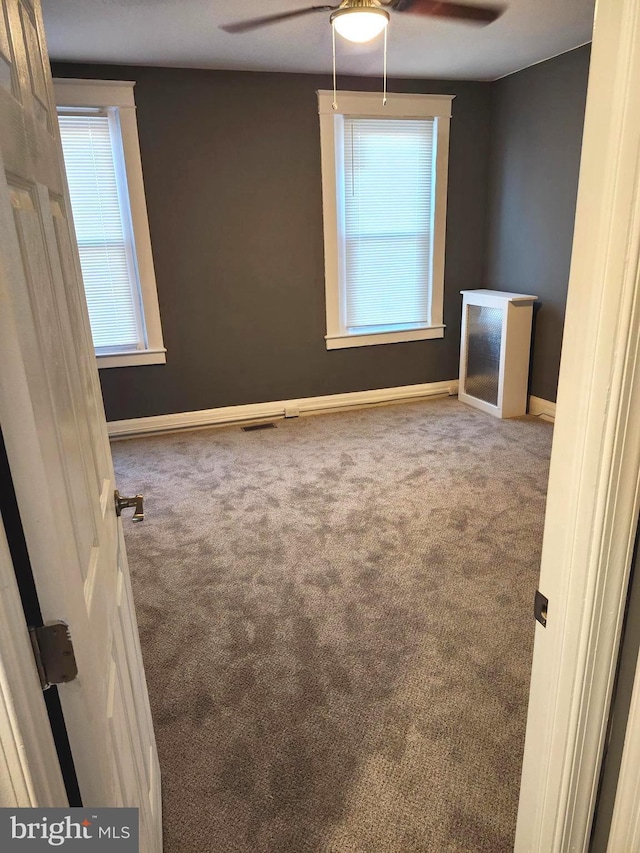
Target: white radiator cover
{"points": [[494, 351]]}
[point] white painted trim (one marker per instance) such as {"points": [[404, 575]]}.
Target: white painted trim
{"points": [[398, 106], [70, 92], [140, 223], [126, 359], [482, 405], [443, 123], [29, 770], [278, 409], [119, 94], [625, 823], [496, 298], [542, 408], [345, 341], [593, 495]]}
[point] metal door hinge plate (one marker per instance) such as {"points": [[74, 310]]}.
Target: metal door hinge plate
{"points": [[54, 654], [540, 607]]}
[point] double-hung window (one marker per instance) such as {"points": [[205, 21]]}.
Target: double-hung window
{"points": [[99, 138], [384, 186]]}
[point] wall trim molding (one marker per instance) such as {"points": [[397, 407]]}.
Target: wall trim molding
{"points": [[542, 408], [278, 409]]}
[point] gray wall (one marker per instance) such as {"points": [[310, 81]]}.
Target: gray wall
{"points": [[535, 157], [232, 175]]}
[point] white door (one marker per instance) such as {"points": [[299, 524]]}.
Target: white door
{"points": [[54, 429]]}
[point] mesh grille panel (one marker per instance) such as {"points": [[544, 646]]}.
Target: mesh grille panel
{"points": [[484, 330]]}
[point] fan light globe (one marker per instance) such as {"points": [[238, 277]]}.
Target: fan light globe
{"points": [[359, 24]]}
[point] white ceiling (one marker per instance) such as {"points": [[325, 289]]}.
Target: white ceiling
{"points": [[186, 33]]}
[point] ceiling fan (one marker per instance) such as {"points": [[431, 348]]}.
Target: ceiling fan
{"points": [[355, 19]]}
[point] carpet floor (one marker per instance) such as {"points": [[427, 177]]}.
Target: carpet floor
{"points": [[337, 628]]}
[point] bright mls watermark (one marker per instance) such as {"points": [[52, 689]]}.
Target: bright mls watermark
{"points": [[36, 830]]}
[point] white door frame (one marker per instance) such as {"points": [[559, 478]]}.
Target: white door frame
{"points": [[29, 770], [592, 505]]}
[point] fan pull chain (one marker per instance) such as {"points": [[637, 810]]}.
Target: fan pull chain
{"points": [[334, 105], [384, 70]]}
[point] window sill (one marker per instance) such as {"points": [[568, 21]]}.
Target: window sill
{"points": [[133, 357], [370, 339]]}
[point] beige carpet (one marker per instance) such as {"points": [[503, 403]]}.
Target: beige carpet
{"points": [[336, 620]]}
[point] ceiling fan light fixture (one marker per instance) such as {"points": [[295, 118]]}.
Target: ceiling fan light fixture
{"points": [[360, 24]]}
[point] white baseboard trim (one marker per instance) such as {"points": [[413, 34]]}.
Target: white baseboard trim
{"points": [[544, 409], [277, 409]]}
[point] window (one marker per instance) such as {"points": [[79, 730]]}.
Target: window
{"points": [[384, 188], [102, 160]]}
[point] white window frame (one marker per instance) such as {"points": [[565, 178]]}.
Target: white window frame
{"points": [[369, 105], [118, 94]]}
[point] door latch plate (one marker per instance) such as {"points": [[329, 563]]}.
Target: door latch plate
{"points": [[540, 607], [54, 654]]}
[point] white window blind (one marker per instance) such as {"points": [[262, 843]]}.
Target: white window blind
{"points": [[388, 184], [99, 201]]}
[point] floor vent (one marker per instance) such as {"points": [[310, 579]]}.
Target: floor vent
{"points": [[252, 427]]}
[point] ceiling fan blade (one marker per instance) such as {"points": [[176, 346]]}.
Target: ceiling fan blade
{"points": [[457, 11], [265, 20]]}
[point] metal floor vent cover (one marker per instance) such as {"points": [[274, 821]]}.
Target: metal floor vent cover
{"points": [[253, 427]]}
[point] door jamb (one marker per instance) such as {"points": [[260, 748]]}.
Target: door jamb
{"points": [[30, 773], [625, 823], [593, 497]]}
